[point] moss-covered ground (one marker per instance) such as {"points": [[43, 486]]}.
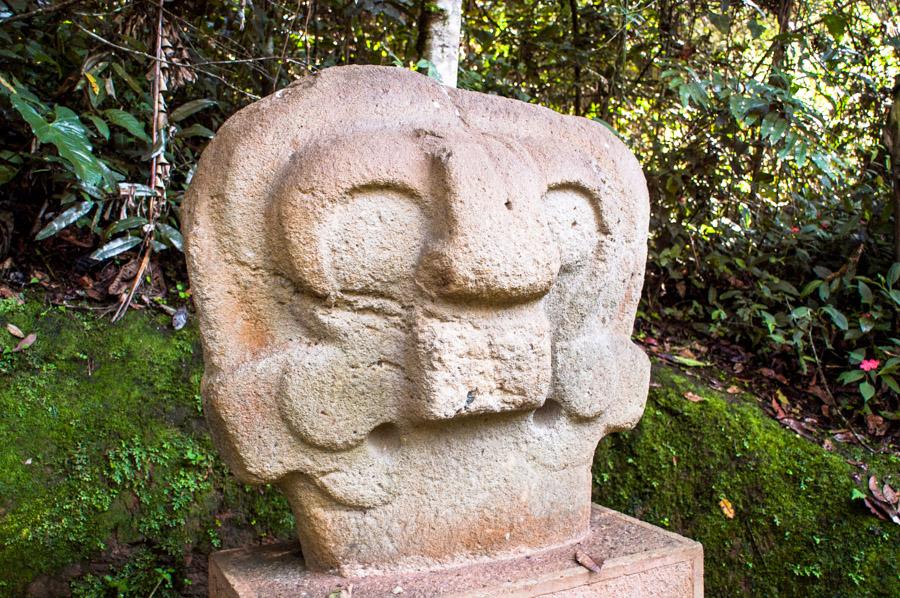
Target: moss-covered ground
{"points": [[109, 483], [799, 527]]}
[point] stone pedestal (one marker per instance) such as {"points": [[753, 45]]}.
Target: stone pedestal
{"points": [[636, 559]]}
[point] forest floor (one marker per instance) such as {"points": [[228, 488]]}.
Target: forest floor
{"points": [[109, 482]]}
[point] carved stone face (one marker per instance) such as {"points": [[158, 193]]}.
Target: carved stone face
{"points": [[416, 305]]}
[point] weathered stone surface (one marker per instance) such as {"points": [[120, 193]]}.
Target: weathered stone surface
{"points": [[416, 305], [636, 560]]}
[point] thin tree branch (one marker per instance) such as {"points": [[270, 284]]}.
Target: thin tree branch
{"points": [[179, 64], [153, 210], [50, 8]]}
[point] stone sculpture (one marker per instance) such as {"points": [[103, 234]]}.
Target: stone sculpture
{"points": [[416, 305]]}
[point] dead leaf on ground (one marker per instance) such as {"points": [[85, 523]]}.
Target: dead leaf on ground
{"points": [[781, 398], [727, 508], [693, 397], [733, 390], [25, 343], [828, 445], [884, 502], [770, 373], [820, 393], [15, 331], [797, 426], [779, 412], [845, 436], [8, 293], [585, 560], [686, 352], [876, 425]]}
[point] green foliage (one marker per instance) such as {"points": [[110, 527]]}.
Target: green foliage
{"points": [[798, 527]]}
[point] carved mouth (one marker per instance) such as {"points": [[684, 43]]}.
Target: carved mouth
{"points": [[469, 367]]}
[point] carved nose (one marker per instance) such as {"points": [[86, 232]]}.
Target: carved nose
{"points": [[497, 246]]}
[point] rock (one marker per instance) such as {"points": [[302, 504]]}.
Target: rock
{"points": [[416, 306]]}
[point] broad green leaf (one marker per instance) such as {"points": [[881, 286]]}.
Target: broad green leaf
{"points": [[822, 271], [687, 361], [100, 125], [894, 274], [839, 319], [684, 94], [851, 376], [836, 24], [189, 108], [69, 137], [171, 234], [131, 81], [7, 173], [810, 287], [195, 130], [698, 94], [720, 21], [115, 247], [867, 391], [824, 163], [891, 365], [756, 28], [800, 156], [865, 293], [767, 124], [769, 320], [64, 219], [127, 121], [125, 224], [895, 295], [800, 313], [891, 383], [866, 324], [786, 287], [778, 130]]}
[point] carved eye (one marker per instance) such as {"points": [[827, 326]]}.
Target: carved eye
{"points": [[573, 221], [374, 242]]}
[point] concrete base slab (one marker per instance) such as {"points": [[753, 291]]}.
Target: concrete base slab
{"points": [[636, 559]]}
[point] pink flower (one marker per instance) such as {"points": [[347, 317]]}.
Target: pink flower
{"points": [[868, 365], [795, 229]]}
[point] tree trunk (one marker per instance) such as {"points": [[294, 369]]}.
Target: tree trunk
{"points": [[444, 26], [576, 44], [892, 142]]}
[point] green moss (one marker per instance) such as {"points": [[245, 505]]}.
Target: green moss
{"points": [[796, 531], [102, 445]]}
